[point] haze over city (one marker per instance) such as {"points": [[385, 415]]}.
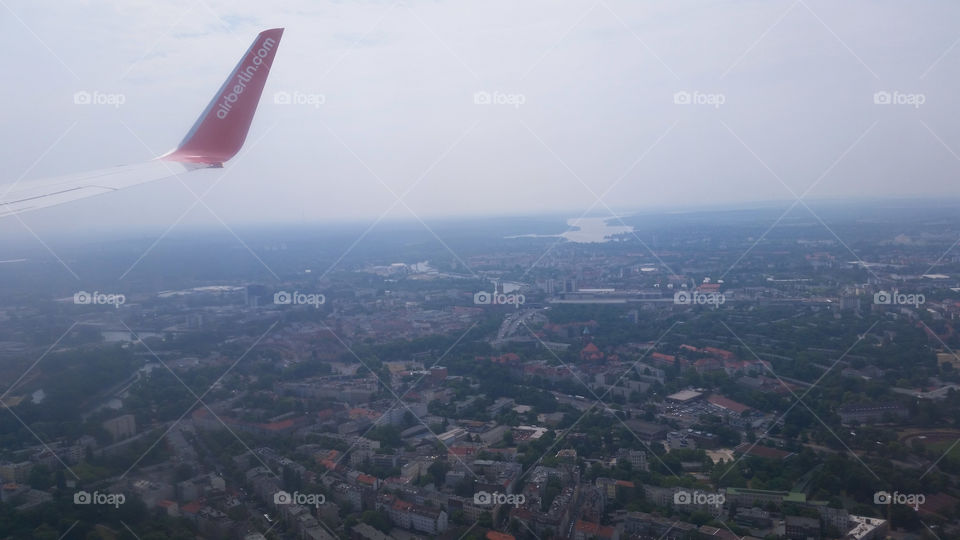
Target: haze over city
{"points": [[387, 92]]}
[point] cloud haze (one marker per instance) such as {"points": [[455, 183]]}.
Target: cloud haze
{"points": [[583, 104]]}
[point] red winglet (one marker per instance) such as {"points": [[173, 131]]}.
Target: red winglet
{"points": [[220, 131]]}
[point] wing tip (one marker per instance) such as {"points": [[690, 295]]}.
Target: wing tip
{"points": [[221, 129]]}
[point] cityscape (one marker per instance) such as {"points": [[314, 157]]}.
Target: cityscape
{"points": [[683, 378], [480, 270]]}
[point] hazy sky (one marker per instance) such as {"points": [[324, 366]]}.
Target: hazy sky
{"points": [[587, 104]]}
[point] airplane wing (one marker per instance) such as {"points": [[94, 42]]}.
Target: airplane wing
{"points": [[216, 136]]}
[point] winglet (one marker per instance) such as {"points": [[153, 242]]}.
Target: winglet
{"points": [[220, 131]]}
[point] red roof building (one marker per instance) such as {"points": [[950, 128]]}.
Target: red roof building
{"points": [[765, 452], [728, 404], [584, 530], [667, 359], [591, 353], [719, 353]]}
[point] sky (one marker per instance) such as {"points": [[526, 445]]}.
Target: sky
{"points": [[424, 109]]}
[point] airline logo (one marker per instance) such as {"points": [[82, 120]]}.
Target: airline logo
{"points": [[243, 76]]}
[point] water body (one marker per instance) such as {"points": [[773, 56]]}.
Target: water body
{"points": [[594, 229], [586, 230], [116, 336]]}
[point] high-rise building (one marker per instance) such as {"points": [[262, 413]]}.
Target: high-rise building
{"points": [[121, 427]]}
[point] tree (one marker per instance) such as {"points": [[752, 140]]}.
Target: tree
{"points": [[377, 520], [45, 532], [40, 477], [485, 520], [458, 517], [183, 471], [464, 488]]}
